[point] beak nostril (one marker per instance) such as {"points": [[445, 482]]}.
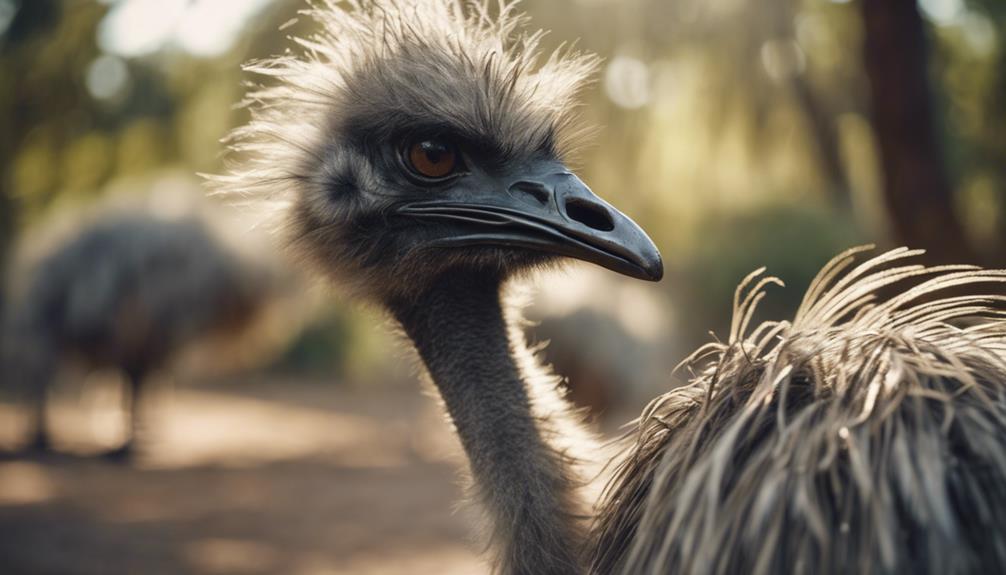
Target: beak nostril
{"points": [[589, 214], [534, 191]]}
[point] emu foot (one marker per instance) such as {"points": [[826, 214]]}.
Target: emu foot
{"points": [[40, 443], [38, 447], [124, 454]]}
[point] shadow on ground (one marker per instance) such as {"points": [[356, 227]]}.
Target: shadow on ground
{"points": [[267, 477]]}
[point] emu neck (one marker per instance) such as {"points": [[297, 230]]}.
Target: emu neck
{"points": [[526, 484]]}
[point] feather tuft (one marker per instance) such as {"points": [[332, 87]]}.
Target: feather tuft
{"points": [[860, 437]]}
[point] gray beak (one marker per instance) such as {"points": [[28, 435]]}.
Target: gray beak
{"points": [[553, 212]]}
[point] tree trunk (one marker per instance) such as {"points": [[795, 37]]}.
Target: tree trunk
{"points": [[821, 123], [6, 232], [917, 188]]}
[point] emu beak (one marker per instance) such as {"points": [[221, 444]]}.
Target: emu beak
{"points": [[552, 211]]}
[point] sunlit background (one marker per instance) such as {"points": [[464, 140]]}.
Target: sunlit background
{"points": [[738, 133]]}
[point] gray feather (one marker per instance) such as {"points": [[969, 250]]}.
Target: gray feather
{"points": [[128, 290], [861, 437]]}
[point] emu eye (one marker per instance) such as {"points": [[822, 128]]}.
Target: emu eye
{"points": [[432, 158]]}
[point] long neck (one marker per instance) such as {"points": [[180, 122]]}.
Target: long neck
{"points": [[526, 482]]}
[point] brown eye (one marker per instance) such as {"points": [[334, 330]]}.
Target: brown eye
{"points": [[432, 158]]}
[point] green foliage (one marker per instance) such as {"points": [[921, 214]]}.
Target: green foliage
{"points": [[341, 344], [792, 241], [970, 73], [322, 347]]}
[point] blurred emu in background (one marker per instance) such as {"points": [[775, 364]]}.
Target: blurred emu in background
{"points": [[127, 290]]}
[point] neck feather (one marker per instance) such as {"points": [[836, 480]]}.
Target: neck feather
{"points": [[511, 422]]}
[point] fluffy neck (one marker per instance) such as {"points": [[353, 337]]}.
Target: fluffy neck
{"points": [[525, 480]]}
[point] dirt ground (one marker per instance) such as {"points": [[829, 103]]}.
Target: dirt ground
{"points": [[266, 477]]}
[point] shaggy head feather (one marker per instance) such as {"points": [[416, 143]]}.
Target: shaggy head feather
{"points": [[328, 122], [863, 437]]}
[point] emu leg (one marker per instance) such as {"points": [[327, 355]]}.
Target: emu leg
{"points": [[127, 450], [41, 441]]}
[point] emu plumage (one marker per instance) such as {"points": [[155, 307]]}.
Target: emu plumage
{"points": [[863, 436], [127, 290], [413, 151]]}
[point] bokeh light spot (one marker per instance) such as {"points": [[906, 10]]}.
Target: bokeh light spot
{"points": [[204, 28], [107, 77], [627, 82], [942, 11], [979, 33], [7, 11], [782, 59], [139, 27]]}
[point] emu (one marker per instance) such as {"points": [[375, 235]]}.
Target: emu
{"points": [[128, 290], [414, 151]]}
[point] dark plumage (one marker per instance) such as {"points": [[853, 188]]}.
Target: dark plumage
{"points": [[322, 147], [413, 151], [862, 437], [128, 290]]}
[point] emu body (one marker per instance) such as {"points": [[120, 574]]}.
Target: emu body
{"points": [[415, 149], [127, 291], [862, 436]]}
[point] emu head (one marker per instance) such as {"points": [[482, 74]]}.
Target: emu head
{"points": [[414, 137]]}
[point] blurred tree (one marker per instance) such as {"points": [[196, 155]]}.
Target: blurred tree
{"points": [[756, 54], [30, 23], [970, 70], [45, 52], [67, 105], [917, 187]]}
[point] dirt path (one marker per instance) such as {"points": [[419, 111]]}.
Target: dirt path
{"points": [[274, 477]]}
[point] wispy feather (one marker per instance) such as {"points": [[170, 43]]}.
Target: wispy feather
{"points": [[461, 62], [861, 437]]}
